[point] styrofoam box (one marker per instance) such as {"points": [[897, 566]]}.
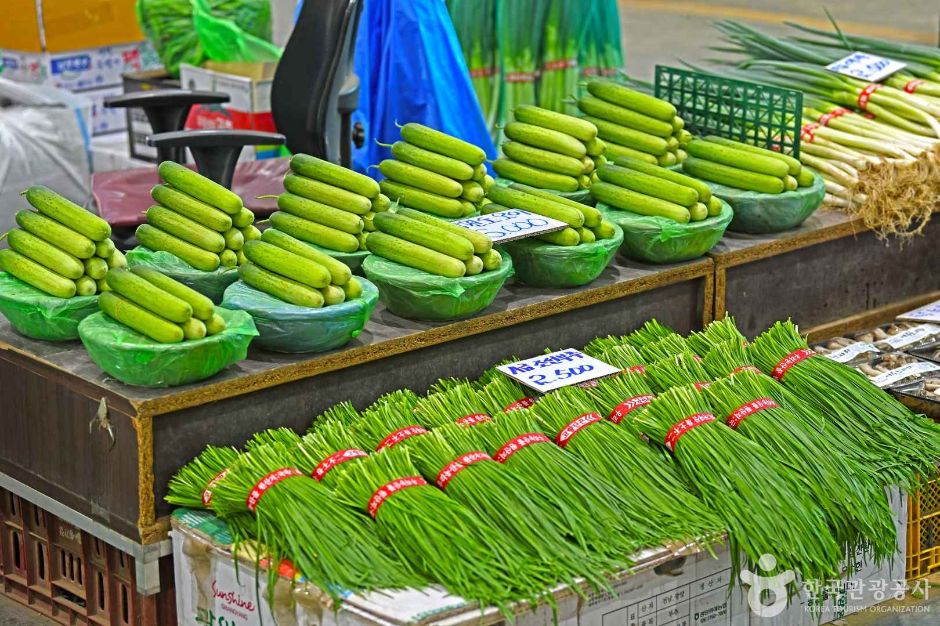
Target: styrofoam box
{"points": [[79, 70]]}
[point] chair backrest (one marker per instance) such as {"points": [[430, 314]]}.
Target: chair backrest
{"points": [[316, 63]]}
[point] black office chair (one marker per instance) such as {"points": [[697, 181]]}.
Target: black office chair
{"points": [[315, 90]]}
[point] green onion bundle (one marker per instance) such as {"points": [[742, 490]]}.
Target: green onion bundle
{"points": [[504, 394], [519, 38], [717, 332], [761, 502], [271, 436], [344, 413], [389, 422], [460, 404], [296, 518], [652, 496], [866, 417], [326, 453], [475, 23], [597, 346], [565, 24], [649, 332], [437, 535], [620, 397], [583, 502], [677, 371], [400, 399], [663, 348], [624, 356], [855, 506], [727, 358]]}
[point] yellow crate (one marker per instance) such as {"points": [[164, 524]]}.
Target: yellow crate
{"points": [[923, 531]]}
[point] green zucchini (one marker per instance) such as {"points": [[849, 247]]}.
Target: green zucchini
{"points": [[422, 200], [543, 159], [567, 124], [432, 161], [545, 138], [414, 255], [190, 207], [481, 243], [44, 253], [412, 175], [639, 203], [202, 306], [61, 209], [336, 175], [424, 234], [442, 143], [285, 289], [311, 232], [186, 229], [534, 176], [156, 239], [732, 176], [287, 264], [56, 234], [340, 273], [143, 293], [199, 187], [327, 194], [35, 274], [139, 319]]}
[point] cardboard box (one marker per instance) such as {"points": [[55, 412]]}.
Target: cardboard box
{"points": [[62, 25], [249, 88], [79, 70]]}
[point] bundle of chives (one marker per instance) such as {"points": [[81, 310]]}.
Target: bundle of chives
{"points": [[326, 453], [624, 356], [474, 21], [728, 358], [437, 535], [652, 497], [296, 518], [391, 423], [668, 346], [761, 502], [586, 505], [344, 413], [648, 333], [854, 504], [272, 436], [677, 371], [611, 47], [443, 384], [595, 347], [719, 331], [620, 397], [460, 404], [864, 415], [504, 394], [492, 373], [564, 29], [519, 39], [400, 399]]}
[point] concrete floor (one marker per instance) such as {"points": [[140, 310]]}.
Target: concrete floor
{"points": [[665, 31]]}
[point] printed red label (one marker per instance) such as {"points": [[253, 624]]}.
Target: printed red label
{"points": [[269, 481], [865, 95], [831, 115], [518, 443], [575, 425], [560, 64], [746, 410], [700, 385], [636, 369], [482, 72], [789, 361], [520, 77], [335, 459], [524, 403], [912, 85], [745, 368], [628, 406], [400, 435], [387, 490], [473, 419], [681, 428], [458, 465], [207, 493], [807, 133]]}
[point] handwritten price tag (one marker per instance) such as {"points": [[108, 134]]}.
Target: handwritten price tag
{"points": [[866, 66], [511, 224], [548, 372]]}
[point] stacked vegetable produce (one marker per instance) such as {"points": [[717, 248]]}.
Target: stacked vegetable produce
{"points": [[585, 223], [742, 166], [475, 23], [60, 249], [639, 187], [549, 150], [432, 245], [435, 173], [634, 124], [196, 219], [327, 205], [565, 28]]}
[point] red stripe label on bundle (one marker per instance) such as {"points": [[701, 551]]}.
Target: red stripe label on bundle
{"points": [[831, 115], [628, 406], [807, 134], [473, 419], [335, 459], [700, 385], [865, 95], [524, 403], [912, 85], [636, 369], [790, 360], [574, 426], [560, 64], [389, 489], [269, 481], [207, 493], [680, 428], [520, 77], [482, 72], [746, 410], [458, 465], [746, 368], [518, 443], [400, 435]]}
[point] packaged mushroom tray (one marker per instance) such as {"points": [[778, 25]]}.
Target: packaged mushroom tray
{"points": [[897, 369], [900, 336], [847, 350]]}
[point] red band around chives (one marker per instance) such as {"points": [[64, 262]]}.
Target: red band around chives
{"points": [[524, 403], [400, 435], [574, 426], [865, 95], [207, 492], [337, 458], [520, 77], [831, 115], [701, 385], [680, 428], [746, 368], [789, 361], [560, 64], [636, 369], [473, 419], [458, 465], [807, 132], [628, 406], [269, 481], [746, 410], [518, 443], [482, 72], [912, 85], [389, 489]]}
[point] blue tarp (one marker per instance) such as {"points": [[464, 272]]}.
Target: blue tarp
{"points": [[412, 69]]}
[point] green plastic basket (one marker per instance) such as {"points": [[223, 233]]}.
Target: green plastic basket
{"points": [[760, 115]]}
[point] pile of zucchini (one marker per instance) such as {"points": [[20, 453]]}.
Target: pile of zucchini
{"points": [[158, 307], [742, 166], [549, 150], [60, 249], [585, 223], [432, 245], [292, 271], [196, 219], [435, 173], [328, 205], [633, 185], [634, 124]]}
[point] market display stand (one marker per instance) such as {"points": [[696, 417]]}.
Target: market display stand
{"points": [[831, 275], [103, 452]]}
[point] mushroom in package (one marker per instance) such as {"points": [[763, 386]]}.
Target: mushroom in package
{"points": [[847, 350], [897, 369], [900, 335]]}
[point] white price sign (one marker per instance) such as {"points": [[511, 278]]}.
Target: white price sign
{"points": [[905, 371], [548, 372], [512, 224], [928, 313], [866, 66]]}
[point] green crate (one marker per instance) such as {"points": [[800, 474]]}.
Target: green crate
{"points": [[761, 115]]}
